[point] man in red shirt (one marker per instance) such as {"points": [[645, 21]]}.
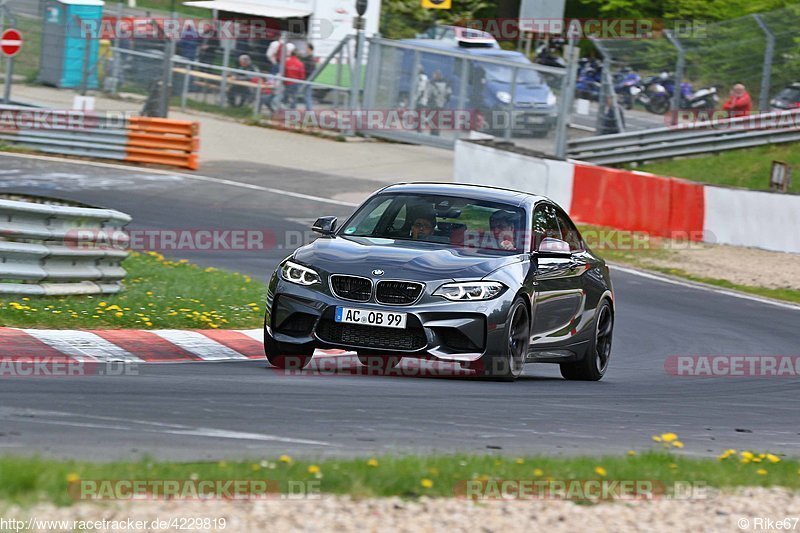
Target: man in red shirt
{"points": [[739, 103], [295, 71]]}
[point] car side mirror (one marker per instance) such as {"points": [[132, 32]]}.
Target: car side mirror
{"points": [[552, 247], [324, 225]]}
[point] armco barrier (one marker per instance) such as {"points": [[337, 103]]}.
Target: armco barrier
{"points": [[39, 257], [637, 201], [104, 136]]}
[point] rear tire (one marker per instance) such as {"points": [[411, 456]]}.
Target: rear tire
{"points": [[594, 364], [286, 356]]}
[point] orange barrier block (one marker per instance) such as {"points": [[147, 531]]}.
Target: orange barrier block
{"points": [[163, 142]]}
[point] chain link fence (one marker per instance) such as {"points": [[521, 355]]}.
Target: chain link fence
{"points": [[760, 51], [447, 94]]}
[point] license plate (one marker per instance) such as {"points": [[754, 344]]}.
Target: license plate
{"points": [[371, 317]]}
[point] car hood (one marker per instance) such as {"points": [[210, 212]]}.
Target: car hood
{"points": [[401, 259]]}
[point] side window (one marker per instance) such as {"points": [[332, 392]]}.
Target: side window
{"points": [[545, 224], [569, 233]]}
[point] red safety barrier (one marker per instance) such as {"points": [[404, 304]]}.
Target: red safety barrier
{"points": [[636, 201]]}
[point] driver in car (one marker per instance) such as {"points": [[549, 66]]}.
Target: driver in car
{"points": [[423, 226], [502, 225]]}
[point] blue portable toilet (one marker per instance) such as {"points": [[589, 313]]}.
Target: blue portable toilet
{"points": [[65, 28]]}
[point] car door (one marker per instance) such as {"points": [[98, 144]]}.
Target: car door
{"points": [[559, 291]]}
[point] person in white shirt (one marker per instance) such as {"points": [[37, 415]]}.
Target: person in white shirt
{"points": [[274, 53]]}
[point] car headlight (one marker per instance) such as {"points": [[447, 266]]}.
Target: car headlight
{"points": [[470, 290], [503, 96], [551, 99], [294, 273]]}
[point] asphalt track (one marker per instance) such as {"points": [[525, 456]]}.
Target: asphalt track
{"points": [[215, 410]]}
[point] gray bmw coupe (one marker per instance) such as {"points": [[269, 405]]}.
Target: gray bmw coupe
{"points": [[485, 277]]}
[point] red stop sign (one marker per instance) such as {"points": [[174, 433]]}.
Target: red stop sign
{"points": [[11, 42]]}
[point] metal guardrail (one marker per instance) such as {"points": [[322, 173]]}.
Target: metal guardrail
{"points": [[688, 139], [41, 252]]}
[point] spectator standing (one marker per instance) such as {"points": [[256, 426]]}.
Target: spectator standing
{"points": [[294, 71], [275, 52], [438, 96], [309, 64], [739, 103]]}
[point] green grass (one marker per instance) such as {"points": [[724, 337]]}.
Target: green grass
{"points": [[641, 256], [748, 168], [30, 480], [159, 294]]}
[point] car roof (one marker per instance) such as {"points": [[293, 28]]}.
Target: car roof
{"points": [[476, 192], [471, 50]]}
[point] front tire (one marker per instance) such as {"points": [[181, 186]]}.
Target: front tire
{"points": [[510, 364], [286, 356], [594, 364]]}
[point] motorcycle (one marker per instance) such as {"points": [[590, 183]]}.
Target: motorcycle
{"points": [[658, 92], [627, 84], [589, 79]]}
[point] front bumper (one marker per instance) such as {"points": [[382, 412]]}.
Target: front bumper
{"points": [[436, 328]]}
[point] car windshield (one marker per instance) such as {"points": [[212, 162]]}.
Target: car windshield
{"points": [[499, 73], [446, 220], [790, 94]]}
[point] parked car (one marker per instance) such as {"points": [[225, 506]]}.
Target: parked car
{"points": [[489, 82], [485, 277], [788, 98]]}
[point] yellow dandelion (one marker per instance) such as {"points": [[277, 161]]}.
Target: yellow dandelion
{"points": [[73, 478], [520, 461], [761, 472], [119, 314], [426, 483], [538, 472], [669, 437], [772, 458], [373, 463], [285, 459], [678, 444], [656, 438], [102, 304], [313, 469], [255, 467], [600, 471], [631, 453]]}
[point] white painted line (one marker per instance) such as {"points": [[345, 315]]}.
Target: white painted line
{"points": [[83, 345], [255, 334], [198, 344], [197, 177], [703, 287], [125, 424]]}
